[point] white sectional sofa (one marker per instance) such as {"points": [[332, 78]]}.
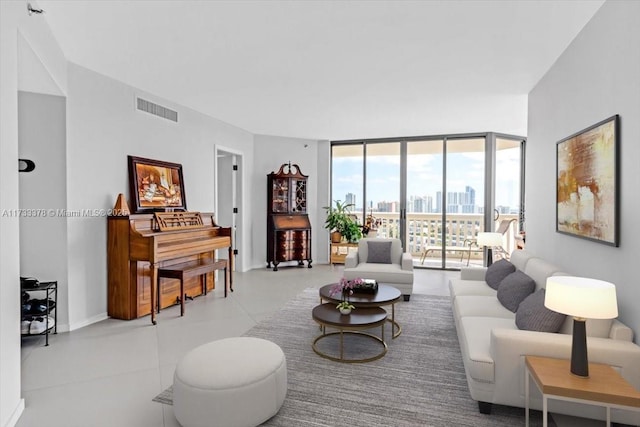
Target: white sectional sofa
{"points": [[493, 347]]}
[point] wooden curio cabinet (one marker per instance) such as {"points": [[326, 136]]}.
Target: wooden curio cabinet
{"points": [[288, 226]]}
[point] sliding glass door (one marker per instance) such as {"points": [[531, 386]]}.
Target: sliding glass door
{"points": [[425, 166], [434, 193], [383, 188], [463, 195]]}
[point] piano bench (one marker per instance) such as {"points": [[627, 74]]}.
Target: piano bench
{"points": [[189, 269]]}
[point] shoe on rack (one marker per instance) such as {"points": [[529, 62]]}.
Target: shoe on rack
{"points": [[39, 324], [25, 327], [38, 306]]}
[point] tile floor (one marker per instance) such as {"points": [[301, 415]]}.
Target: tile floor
{"points": [[107, 373]]}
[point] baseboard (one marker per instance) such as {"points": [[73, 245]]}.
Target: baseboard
{"points": [[15, 416], [95, 319]]}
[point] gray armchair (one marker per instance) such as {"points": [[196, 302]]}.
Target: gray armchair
{"points": [[384, 261]]}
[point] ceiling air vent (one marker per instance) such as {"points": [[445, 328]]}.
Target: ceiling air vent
{"points": [[157, 110]]}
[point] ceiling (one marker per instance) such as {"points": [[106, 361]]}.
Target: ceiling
{"points": [[329, 69]]}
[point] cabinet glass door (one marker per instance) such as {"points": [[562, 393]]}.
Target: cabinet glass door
{"points": [[299, 195], [280, 195]]}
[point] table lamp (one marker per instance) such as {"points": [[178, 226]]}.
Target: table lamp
{"points": [[583, 299], [490, 240]]}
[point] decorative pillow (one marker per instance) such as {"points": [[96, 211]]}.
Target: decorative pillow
{"points": [[514, 289], [379, 252], [498, 271], [532, 315]]}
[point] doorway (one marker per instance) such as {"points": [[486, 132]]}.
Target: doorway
{"points": [[228, 203]]}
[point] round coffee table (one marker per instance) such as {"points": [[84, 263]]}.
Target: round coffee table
{"points": [[351, 324], [386, 295]]}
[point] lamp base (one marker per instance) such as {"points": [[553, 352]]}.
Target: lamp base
{"points": [[579, 360], [489, 257]]}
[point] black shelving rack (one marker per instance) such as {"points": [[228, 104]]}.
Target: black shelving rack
{"points": [[50, 290]]}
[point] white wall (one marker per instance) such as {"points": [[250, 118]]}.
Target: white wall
{"points": [[103, 128], [43, 192], [596, 77], [15, 23], [270, 153]]}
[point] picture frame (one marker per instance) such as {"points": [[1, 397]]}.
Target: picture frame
{"points": [[156, 186], [587, 183]]}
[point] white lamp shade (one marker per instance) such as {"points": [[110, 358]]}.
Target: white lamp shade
{"points": [[581, 297], [489, 239]]}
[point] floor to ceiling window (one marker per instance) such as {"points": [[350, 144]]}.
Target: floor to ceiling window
{"points": [[434, 193]]}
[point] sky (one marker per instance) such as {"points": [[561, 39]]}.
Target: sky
{"points": [[425, 176]]}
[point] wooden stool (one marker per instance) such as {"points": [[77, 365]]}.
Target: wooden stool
{"points": [[189, 269]]}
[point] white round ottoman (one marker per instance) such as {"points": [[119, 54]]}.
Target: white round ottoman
{"points": [[233, 382]]}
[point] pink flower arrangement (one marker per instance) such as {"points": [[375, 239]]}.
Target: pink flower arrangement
{"points": [[345, 287]]}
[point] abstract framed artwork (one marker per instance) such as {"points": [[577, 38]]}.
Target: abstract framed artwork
{"points": [[156, 185], [587, 174]]}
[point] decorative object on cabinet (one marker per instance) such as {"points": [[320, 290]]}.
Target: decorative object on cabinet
{"points": [[36, 314], [288, 226], [156, 185], [587, 190], [121, 207]]}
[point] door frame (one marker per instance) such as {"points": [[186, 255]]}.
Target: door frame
{"points": [[238, 192]]}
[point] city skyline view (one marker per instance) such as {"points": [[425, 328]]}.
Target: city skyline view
{"points": [[465, 182]]}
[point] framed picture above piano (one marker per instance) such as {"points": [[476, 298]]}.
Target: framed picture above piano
{"points": [[156, 186]]}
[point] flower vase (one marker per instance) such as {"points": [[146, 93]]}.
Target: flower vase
{"points": [[345, 311]]}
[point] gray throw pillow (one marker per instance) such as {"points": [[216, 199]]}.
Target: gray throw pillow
{"points": [[379, 252], [514, 289], [532, 315], [498, 271]]}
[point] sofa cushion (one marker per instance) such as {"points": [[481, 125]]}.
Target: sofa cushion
{"points": [[379, 252], [475, 343], [458, 287], [514, 289], [532, 315], [498, 271], [480, 306], [519, 258], [539, 269], [597, 328]]}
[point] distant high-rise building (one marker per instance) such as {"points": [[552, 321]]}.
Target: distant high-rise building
{"points": [[350, 199], [468, 208], [453, 208], [471, 195], [418, 204], [438, 202], [387, 207]]}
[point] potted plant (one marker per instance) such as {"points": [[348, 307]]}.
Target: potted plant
{"points": [[371, 224], [345, 307], [337, 219], [351, 231], [345, 288]]}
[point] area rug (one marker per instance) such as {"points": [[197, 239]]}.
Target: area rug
{"points": [[419, 382]]}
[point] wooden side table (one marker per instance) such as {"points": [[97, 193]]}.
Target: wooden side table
{"points": [[604, 387], [339, 251]]}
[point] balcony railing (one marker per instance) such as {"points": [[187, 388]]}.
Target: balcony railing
{"points": [[424, 231]]}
